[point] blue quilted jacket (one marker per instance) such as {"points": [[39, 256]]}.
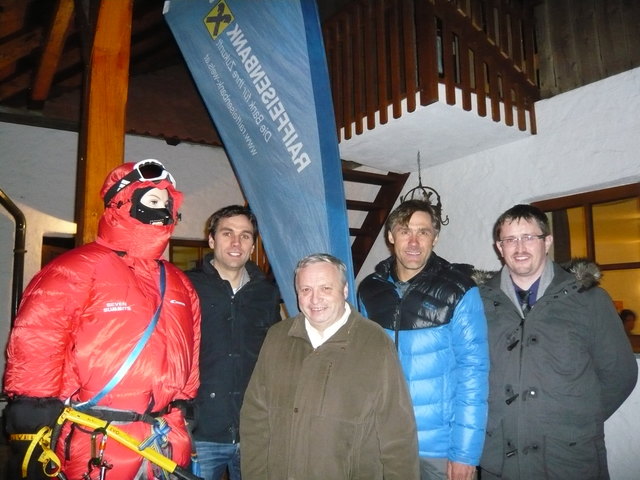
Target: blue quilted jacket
{"points": [[441, 336]]}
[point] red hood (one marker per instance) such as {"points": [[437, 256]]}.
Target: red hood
{"points": [[119, 231]]}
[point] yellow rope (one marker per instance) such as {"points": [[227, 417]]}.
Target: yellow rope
{"points": [[43, 438]]}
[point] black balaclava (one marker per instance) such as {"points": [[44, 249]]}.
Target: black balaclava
{"points": [[148, 215]]}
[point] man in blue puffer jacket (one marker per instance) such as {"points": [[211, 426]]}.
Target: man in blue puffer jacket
{"points": [[434, 312]]}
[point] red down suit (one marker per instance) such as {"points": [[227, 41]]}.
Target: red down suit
{"points": [[82, 315]]}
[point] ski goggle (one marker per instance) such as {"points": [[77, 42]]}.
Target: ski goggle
{"points": [[149, 170]]}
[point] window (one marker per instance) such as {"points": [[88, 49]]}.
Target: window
{"points": [[54, 246], [187, 254], [603, 226]]}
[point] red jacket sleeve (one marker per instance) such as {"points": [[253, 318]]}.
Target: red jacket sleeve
{"points": [[42, 331]]}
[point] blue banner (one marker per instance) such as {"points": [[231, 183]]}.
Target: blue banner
{"points": [[261, 70]]}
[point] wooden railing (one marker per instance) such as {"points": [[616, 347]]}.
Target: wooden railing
{"points": [[383, 52]]}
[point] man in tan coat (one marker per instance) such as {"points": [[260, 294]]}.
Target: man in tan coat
{"points": [[327, 398]]}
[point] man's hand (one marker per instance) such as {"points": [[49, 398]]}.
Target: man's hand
{"points": [[460, 471]]}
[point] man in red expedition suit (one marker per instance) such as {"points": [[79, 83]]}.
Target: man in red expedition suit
{"points": [[113, 330]]}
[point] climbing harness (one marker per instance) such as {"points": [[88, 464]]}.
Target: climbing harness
{"points": [[100, 428]]}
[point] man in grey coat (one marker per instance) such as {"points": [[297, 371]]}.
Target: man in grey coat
{"points": [[560, 361]]}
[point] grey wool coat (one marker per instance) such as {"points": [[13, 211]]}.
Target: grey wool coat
{"points": [[555, 377]]}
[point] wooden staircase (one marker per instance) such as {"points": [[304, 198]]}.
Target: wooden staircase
{"points": [[391, 184], [377, 211]]}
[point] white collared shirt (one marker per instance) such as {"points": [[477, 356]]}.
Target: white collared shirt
{"points": [[317, 337]]}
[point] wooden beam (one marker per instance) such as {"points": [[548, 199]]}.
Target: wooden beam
{"points": [[426, 52], [382, 53], [409, 49], [52, 50], [102, 133]]}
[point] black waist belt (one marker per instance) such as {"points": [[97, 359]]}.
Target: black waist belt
{"points": [[125, 416]]}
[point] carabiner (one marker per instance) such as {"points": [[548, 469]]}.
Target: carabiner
{"points": [[98, 452]]}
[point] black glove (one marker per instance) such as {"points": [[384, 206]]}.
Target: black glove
{"points": [[28, 415]]}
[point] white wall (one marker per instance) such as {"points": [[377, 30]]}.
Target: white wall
{"points": [[622, 436]]}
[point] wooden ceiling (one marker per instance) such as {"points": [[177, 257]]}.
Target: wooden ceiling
{"points": [[44, 45]]}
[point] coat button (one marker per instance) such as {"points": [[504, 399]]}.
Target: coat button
{"points": [[212, 395], [295, 410]]}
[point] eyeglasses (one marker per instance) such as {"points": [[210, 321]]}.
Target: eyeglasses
{"points": [[149, 170], [525, 239]]}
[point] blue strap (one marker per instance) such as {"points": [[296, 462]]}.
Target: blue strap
{"points": [[124, 368]]}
